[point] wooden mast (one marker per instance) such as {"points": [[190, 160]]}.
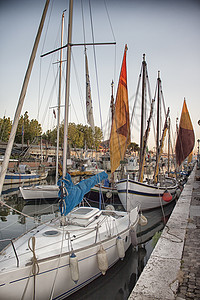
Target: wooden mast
{"points": [[59, 99], [67, 87], [158, 115], [169, 144], [112, 108], [142, 108]]}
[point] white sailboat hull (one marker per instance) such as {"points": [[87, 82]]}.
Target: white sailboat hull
{"points": [[52, 253], [39, 192], [133, 193]]}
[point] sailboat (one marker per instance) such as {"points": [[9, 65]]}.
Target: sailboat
{"points": [[59, 257], [51, 191], [119, 136], [148, 194], [24, 175], [48, 191]]}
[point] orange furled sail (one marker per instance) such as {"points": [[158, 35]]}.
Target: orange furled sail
{"points": [[185, 139], [120, 131]]}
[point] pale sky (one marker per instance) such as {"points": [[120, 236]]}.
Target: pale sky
{"points": [[168, 32]]}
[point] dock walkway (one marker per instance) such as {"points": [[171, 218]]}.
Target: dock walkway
{"points": [[173, 269]]}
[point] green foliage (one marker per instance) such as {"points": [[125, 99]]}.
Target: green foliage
{"points": [[5, 129], [155, 238], [79, 136], [31, 129], [134, 147]]}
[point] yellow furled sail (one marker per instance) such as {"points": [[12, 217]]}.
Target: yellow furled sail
{"points": [[159, 155], [160, 149], [120, 131], [190, 156]]}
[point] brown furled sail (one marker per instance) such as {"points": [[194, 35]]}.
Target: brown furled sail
{"points": [[120, 131], [185, 138]]}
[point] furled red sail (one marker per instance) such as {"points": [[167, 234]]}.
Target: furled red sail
{"points": [[120, 131], [185, 139]]}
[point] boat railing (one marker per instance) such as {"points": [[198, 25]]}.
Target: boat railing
{"points": [[11, 241]]}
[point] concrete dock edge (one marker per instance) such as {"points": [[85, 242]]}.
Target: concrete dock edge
{"points": [[162, 273]]}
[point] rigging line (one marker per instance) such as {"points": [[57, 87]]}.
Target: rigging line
{"points": [[48, 72], [95, 61], [83, 22], [17, 211], [136, 96], [109, 21], [154, 126], [79, 87], [50, 99], [45, 36], [41, 96], [85, 68], [74, 110], [150, 97], [8, 226], [115, 56], [71, 102], [162, 97], [58, 265]]}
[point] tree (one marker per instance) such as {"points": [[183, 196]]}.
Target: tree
{"points": [[30, 129], [79, 136], [5, 128], [134, 147], [98, 136], [35, 129]]}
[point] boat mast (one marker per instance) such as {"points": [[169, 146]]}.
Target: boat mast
{"points": [[21, 99], [112, 106], [67, 87], [59, 98], [158, 116], [145, 140], [169, 144], [142, 108]]}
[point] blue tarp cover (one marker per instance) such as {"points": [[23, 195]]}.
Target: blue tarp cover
{"points": [[74, 193]]}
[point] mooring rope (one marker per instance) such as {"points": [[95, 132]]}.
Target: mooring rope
{"points": [[34, 270], [54, 282], [35, 267]]}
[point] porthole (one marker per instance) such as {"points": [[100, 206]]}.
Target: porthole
{"points": [[51, 233]]}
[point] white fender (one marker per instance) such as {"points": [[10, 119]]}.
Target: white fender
{"points": [[120, 247], [102, 260], [110, 207], [74, 270], [133, 236], [142, 220]]}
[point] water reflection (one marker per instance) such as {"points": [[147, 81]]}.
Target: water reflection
{"points": [[13, 224]]}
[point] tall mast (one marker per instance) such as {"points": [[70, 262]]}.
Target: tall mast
{"points": [[169, 144], [67, 87], [21, 99], [142, 107], [59, 99], [112, 107], [158, 115]]}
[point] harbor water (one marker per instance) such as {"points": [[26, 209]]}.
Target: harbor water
{"points": [[119, 280]]}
